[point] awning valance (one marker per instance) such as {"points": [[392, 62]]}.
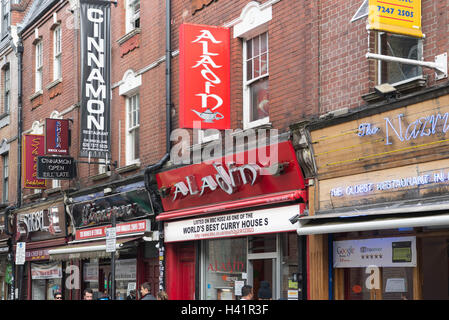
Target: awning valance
{"points": [[88, 250], [233, 205], [323, 226]]}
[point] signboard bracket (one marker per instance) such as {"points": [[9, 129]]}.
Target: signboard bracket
{"points": [[440, 64]]}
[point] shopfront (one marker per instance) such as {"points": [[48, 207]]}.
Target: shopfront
{"points": [[40, 227], [229, 225], [5, 261], [91, 215], [380, 215]]}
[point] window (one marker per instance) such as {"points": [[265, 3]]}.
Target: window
{"points": [[57, 53], [5, 178], [38, 70], [6, 89], [398, 46], [132, 15], [132, 124], [256, 100], [5, 17]]}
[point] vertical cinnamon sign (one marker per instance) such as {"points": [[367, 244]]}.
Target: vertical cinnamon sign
{"points": [[33, 146], [204, 55]]}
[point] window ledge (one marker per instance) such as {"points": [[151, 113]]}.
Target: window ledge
{"points": [[404, 87], [4, 115], [100, 176], [33, 196], [53, 190], [36, 94], [53, 84], [128, 36], [129, 167]]}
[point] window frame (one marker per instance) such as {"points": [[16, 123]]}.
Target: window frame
{"points": [[132, 115], [380, 63], [57, 53], [5, 177], [132, 15], [38, 70], [247, 106], [6, 89]]}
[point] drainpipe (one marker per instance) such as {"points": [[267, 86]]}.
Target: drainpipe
{"points": [[20, 122], [154, 197]]}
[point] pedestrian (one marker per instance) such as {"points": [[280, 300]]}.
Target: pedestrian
{"points": [[247, 292], [88, 294], [264, 292], [57, 295], [162, 295], [145, 293], [132, 295]]}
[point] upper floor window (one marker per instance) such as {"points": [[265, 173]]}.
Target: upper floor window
{"points": [[6, 89], [5, 17], [57, 53], [39, 64], [256, 88], [132, 15], [402, 47], [132, 129], [5, 177]]}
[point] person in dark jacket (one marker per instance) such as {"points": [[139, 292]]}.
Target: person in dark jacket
{"points": [[145, 289], [264, 292]]}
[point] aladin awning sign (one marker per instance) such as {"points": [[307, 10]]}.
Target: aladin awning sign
{"points": [[396, 16]]}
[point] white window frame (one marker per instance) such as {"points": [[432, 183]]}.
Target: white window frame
{"points": [[5, 178], [247, 123], [57, 53], [379, 62], [6, 89], [39, 66], [130, 143], [131, 14]]}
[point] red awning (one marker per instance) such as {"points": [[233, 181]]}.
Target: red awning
{"points": [[232, 205]]}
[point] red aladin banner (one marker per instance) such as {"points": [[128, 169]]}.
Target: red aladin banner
{"points": [[33, 146], [204, 56]]}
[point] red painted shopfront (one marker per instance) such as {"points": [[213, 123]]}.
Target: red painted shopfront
{"points": [[226, 223]]}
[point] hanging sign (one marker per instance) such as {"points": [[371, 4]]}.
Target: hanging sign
{"points": [[33, 146], [56, 168], [381, 252], [95, 78], [396, 16], [204, 57], [57, 136]]}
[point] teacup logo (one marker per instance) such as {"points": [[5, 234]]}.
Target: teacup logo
{"points": [[209, 116]]}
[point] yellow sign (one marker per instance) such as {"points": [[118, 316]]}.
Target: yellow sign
{"points": [[396, 16]]}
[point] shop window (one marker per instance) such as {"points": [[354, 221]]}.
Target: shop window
{"points": [[225, 265], [402, 47], [256, 88], [46, 280]]}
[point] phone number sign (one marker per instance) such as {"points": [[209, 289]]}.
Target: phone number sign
{"points": [[396, 16]]}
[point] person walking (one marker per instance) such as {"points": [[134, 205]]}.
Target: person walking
{"points": [[264, 292], [145, 293], [247, 292], [162, 295], [57, 295], [88, 294]]}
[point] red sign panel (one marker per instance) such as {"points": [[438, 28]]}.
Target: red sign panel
{"points": [[33, 146], [204, 58], [57, 136], [274, 170], [122, 229]]}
